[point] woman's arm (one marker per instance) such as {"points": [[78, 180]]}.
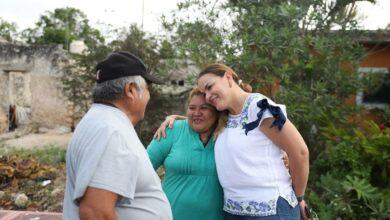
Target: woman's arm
{"points": [[291, 141], [159, 149], [169, 120]]}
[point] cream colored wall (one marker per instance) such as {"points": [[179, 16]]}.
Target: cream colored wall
{"points": [[3, 122], [3, 102], [30, 79], [48, 103]]}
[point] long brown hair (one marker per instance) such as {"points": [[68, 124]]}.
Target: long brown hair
{"points": [[219, 69]]}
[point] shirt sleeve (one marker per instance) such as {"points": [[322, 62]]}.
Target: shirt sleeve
{"points": [[254, 109], [118, 168], [158, 150]]}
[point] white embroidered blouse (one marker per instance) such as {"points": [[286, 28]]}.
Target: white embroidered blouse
{"points": [[250, 167]]}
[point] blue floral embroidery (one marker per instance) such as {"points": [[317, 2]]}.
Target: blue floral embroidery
{"points": [[242, 119], [276, 112], [257, 208], [252, 208]]}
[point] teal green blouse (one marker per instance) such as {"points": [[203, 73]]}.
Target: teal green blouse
{"points": [[190, 182]]}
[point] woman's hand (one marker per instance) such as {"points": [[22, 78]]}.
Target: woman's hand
{"points": [[305, 212], [169, 120], [285, 160]]}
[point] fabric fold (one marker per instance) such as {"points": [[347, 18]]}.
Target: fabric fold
{"points": [[276, 111]]}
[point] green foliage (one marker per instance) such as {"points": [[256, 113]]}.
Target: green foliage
{"points": [[166, 50], [79, 79], [361, 187], [140, 44], [62, 26], [284, 49], [80, 75], [47, 154], [7, 30], [158, 55], [353, 172], [197, 38]]}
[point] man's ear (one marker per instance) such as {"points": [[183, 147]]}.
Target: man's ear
{"points": [[131, 91]]}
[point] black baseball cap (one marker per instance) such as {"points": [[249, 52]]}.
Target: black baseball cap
{"points": [[121, 63]]}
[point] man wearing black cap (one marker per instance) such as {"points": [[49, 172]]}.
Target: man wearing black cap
{"points": [[109, 175]]}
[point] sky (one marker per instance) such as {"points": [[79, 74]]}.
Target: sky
{"points": [[122, 13], [119, 13]]}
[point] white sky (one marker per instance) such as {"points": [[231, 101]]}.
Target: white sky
{"points": [[122, 13]]}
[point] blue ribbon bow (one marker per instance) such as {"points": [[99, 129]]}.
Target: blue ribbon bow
{"points": [[276, 112]]}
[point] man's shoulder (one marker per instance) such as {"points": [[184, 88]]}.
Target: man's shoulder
{"points": [[93, 130], [95, 125], [100, 118]]}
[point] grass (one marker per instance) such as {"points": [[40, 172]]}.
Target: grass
{"points": [[50, 154]]}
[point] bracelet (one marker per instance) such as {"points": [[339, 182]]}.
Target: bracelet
{"points": [[300, 198]]}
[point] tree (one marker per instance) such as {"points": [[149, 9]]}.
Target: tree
{"points": [[285, 49], [140, 44], [62, 26], [7, 30], [158, 55], [80, 75], [79, 79]]}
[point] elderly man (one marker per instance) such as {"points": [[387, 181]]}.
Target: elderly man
{"points": [[109, 174]]}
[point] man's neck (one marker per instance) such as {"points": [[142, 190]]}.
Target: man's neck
{"points": [[123, 107]]}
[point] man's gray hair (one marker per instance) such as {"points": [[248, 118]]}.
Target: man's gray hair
{"points": [[112, 90]]}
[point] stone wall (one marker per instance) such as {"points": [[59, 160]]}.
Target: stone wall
{"points": [[30, 79], [3, 122]]}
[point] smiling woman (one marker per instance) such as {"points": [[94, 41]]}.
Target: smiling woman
{"points": [[187, 154], [248, 150], [202, 117]]}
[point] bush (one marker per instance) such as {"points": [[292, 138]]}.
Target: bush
{"points": [[352, 173]]}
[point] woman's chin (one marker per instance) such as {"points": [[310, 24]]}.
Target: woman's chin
{"points": [[198, 128], [220, 107]]}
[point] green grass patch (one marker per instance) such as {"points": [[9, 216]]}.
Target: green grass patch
{"points": [[45, 155]]}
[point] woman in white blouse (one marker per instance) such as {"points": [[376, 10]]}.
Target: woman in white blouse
{"points": [[249, 149]]}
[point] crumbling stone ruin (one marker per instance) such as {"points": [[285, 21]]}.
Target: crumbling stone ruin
{"points": [[30, 87]]}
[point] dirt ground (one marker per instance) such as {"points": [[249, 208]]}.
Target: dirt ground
{"points": [[21, 173], [30, 141], [34, 169]]}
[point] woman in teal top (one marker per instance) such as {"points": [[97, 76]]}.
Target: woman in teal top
{"points": [[187, 154]]}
